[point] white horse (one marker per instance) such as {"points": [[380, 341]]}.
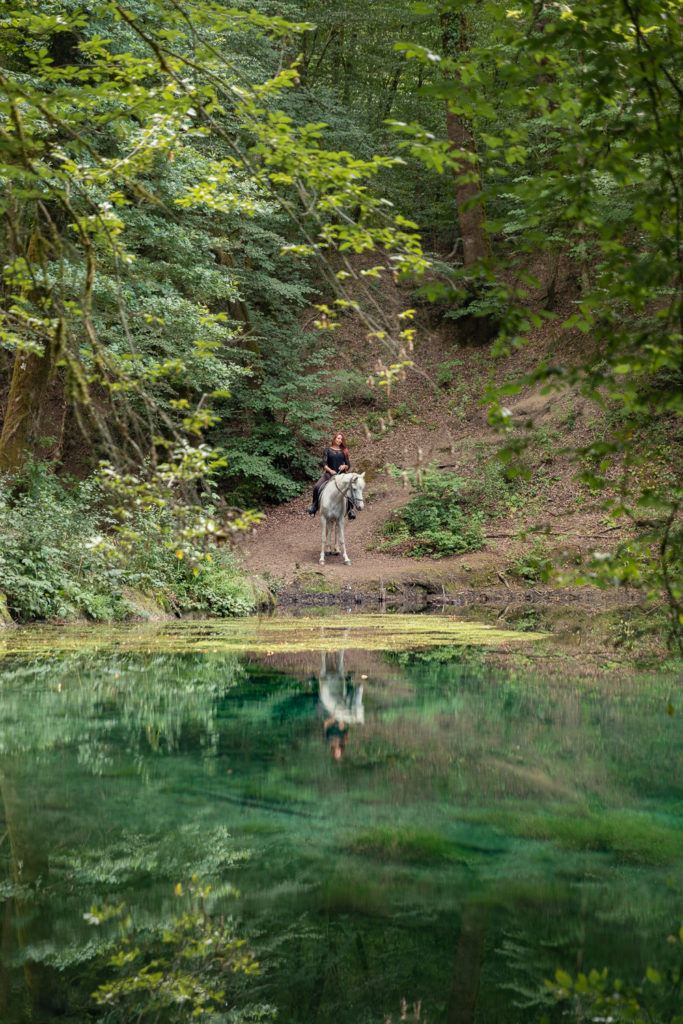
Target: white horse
{"points": [[340, 699], [333, 507]]}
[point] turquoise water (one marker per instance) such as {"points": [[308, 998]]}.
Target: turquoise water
{"points": [[408, 826]]}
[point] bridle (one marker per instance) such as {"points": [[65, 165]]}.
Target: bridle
{"points": [[355, 498]]}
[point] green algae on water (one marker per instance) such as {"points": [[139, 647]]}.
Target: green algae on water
{"points": [[263, 635]]}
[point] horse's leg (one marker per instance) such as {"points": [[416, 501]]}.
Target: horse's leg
{"points": [[323, 520], [333, 539], [340, 528]]}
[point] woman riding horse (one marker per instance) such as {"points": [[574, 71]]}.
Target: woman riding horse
{"points": [[336, 459]]}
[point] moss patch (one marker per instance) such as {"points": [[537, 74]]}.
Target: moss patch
{"points": [[631, 837], [144, 606], [411, 846], [314, 582], [264, 635], [5, 617]]}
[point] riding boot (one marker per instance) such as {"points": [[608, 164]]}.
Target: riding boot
{"points": [[349, 509]]}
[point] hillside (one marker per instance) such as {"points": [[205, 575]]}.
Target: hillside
{"points": [[436, 417]]}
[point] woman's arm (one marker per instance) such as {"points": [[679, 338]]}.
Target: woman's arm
{"points": [[326, 468]]}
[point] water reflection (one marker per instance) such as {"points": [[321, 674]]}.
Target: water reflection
{"points": [[484, 828], [341, 701]]}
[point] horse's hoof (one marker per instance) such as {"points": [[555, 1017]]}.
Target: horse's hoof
{"points": [[347, 561]]}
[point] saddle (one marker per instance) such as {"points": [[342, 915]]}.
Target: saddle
{"points": [[323, 486]]}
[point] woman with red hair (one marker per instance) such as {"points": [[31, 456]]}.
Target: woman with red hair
{"points": [[336, 459]]}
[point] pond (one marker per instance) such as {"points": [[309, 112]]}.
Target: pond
{"points": [[384, 813]]}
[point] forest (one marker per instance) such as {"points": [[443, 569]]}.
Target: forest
{"points": [[199, 199], [440, 782]]}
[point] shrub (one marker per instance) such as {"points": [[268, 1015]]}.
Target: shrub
{"points": [[222, 589], [46, 566], [61, 558], [433, 522], [534, 565], [492, 489], [445, 372]]}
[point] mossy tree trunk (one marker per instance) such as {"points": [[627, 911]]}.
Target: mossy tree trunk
{"points": [[27, 418], [26, 421]]}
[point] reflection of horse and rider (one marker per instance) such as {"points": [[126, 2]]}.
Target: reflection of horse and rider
{"points": [[336, 492], [341, 701]]}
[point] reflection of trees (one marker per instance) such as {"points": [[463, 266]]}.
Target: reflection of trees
{"points": [[554, 851], [177, 970], [480, 877], [336, 966], [61, 718], [61, 702], [30, 870]]}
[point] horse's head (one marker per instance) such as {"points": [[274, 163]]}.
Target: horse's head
{"points": [[356, 490]]}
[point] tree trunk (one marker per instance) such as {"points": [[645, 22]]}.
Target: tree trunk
{"points": [[5, 952], [390, 90], [35, 418], [31, 866], [28, 412], [460, 131], [347, 58], [469, 958], [21, 429]]}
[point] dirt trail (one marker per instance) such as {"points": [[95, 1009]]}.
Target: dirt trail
{"points": [[287, 544]]}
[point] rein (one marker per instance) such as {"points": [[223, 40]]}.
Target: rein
{"points": [[345, 494]]}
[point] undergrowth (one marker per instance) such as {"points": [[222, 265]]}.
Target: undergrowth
{"points": [[60, 558], [443, 518]]}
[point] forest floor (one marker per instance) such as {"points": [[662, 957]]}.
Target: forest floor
{"points": [[436, 416]]}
